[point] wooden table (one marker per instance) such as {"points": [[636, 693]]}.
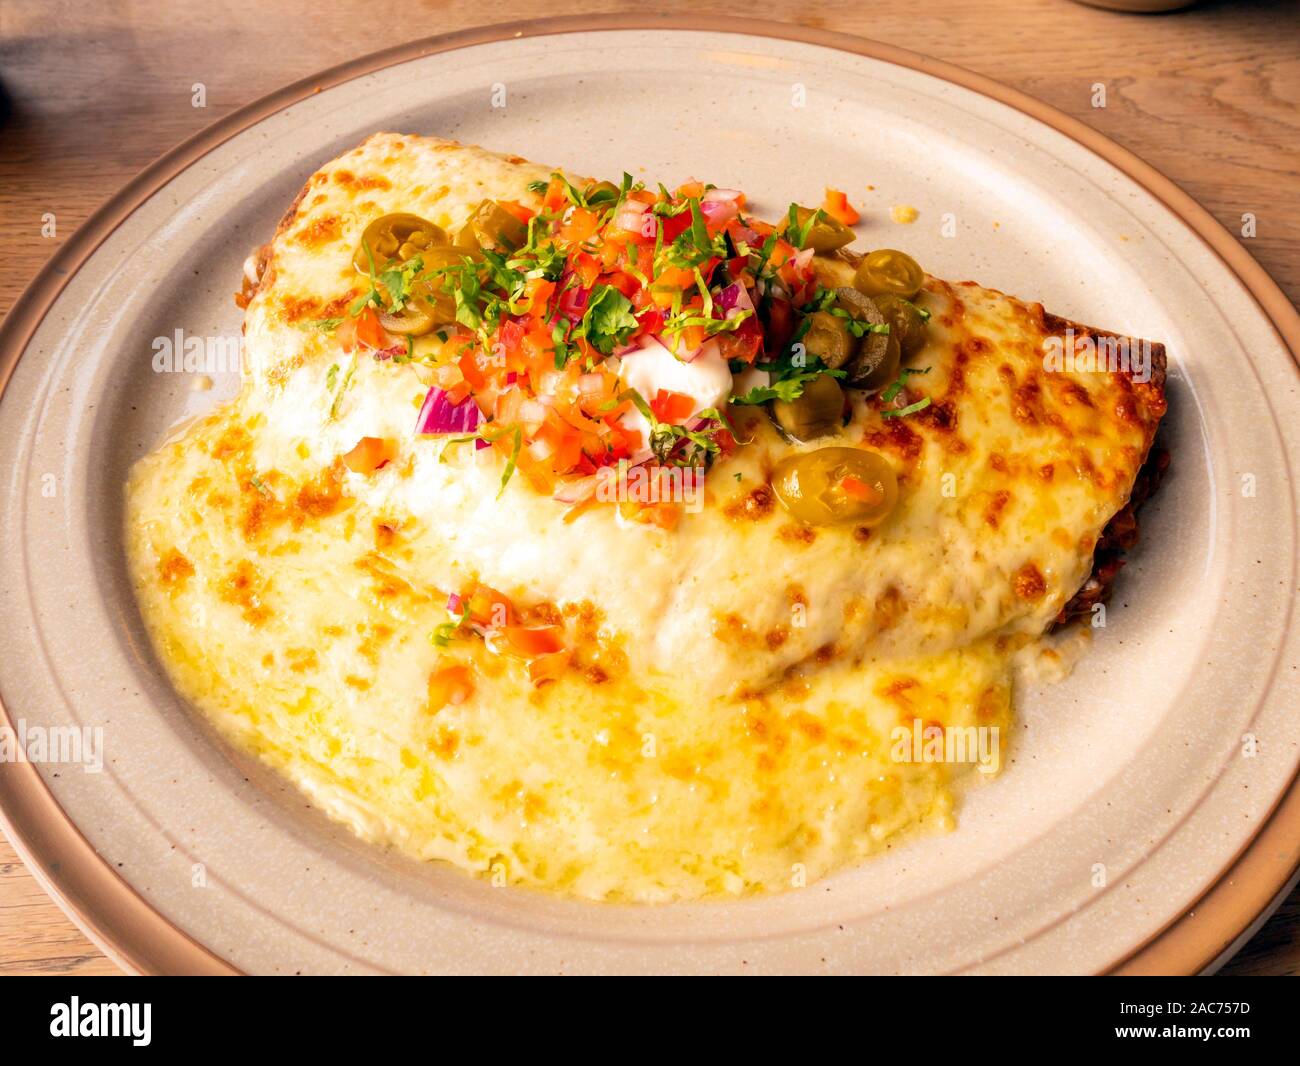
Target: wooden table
{"points": [[1210, 96]]}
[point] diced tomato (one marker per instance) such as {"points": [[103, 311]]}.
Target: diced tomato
{"points": [[664, 296], [651, 321], [632, 258], [450, 684], [675, 225], [858, 489], [690, 338], [624, 283], [489, 608], [471, 371], [621, 440], [691, 188], [370, 332], [538, 292], [530, 642], [346, 334], [370, 454], [610, 252], [781, 251], [672, 407], [517, 209], [511, 335], [537, 349], [838, 207], [539, 475], [587, 267], [744, 342], [556, 441], [555, 195], [579, 225], [548, 667], [663, 515], [676, 277], [458, 393]]}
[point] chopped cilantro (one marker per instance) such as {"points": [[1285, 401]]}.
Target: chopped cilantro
{"points": [[513, 461], [925, 315], [789, 374], [447, 442], [910, 409], [608, 320], [443, 634], [786, 389], [343, 387], [797, 234], [665, 439], [897, 387], [573, 194], [374, 296]]}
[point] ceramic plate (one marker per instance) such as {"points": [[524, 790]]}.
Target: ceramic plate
{"points": [[1148, 817]]}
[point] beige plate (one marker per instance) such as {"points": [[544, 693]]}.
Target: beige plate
{"points": [[1131, 830]]}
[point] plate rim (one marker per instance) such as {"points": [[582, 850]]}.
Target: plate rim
{"points": [[122, 923]]}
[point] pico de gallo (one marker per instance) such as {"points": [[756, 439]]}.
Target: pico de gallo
{"points": [[616, 325]]}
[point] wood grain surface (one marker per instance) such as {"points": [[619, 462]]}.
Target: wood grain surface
{"points": [[91, 93]]}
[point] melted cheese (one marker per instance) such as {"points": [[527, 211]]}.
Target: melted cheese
{"points": [[727, 725]]}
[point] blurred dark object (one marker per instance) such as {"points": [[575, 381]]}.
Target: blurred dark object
{"points": [[1141, 7]]}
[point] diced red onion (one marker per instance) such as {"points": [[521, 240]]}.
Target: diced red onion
{"points": [[440, 415], [575, 491], [532, 414], [671, 343], [381, 354], [454, 603], [734, 300], [574, 302], [721, 196], [719, 211], [631, 216]]}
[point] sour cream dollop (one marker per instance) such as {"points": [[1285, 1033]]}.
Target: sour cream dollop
{"points": [[706, 379]]}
